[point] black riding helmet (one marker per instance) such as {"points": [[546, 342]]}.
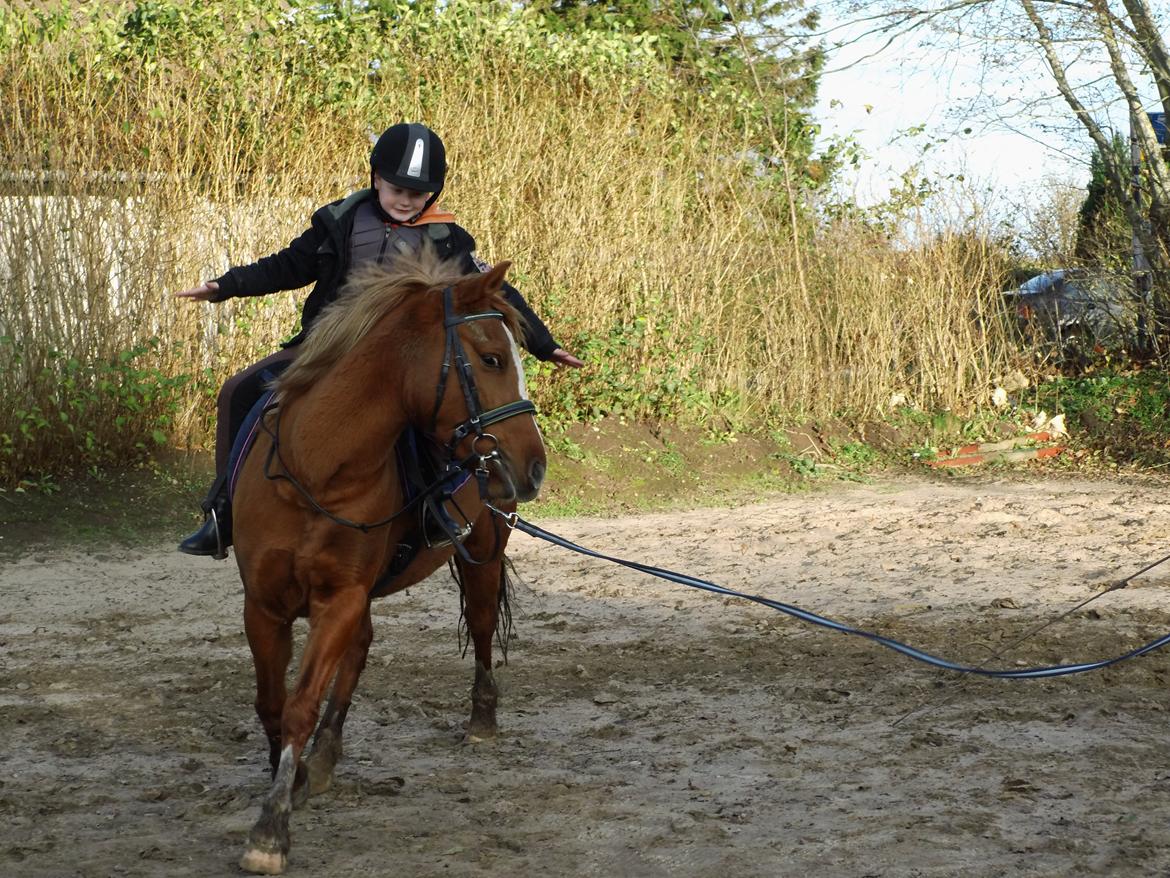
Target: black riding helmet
{"points": [[410, 155]]}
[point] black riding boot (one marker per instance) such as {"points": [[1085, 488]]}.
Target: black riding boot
{"points": [[214, 537]]}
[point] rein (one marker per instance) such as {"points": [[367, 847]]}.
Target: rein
{"points": [[484, 448], [515, 522], [286, 476]]}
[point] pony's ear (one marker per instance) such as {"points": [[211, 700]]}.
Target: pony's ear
{"points": [[494, 279]]}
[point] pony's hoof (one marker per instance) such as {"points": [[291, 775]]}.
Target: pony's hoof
{"points": [[480, 734], [321, 762], [320, 777], [260, 862]]}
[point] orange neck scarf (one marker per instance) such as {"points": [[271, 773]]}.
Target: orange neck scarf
{"points": [[433, 214]]}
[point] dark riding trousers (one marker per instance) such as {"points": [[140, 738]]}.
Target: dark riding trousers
{"points": [[236, 398]]}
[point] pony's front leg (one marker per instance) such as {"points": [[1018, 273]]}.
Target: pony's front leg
{"points": [[270, 639], [484, 697], [484, 589], [327, 748], [334, 621]]}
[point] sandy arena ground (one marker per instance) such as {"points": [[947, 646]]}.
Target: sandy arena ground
{"points": [[647, 729]]}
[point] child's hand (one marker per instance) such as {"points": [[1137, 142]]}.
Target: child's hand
{"points": [[561, 357], [201, 293]]}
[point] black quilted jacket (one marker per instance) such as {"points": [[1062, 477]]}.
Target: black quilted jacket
{"points": [[320, 255]]}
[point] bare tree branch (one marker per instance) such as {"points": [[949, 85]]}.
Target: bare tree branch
{"points": [[1097, 53]]}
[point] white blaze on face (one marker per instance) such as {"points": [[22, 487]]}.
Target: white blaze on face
{"points": [[522, 386]]}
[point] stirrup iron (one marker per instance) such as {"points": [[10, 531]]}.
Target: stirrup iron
{"points": [[220, 548]]}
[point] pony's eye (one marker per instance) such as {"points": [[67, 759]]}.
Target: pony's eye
{"points": [[492, 361]]}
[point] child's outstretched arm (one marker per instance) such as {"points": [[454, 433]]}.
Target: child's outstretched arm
{"points": [[537, 337], [289, 269]]}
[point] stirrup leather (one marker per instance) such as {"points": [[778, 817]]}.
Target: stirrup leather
{"points": [[439, 529]]}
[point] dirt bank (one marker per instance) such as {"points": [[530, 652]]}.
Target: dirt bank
{"points": [[648, 730]]}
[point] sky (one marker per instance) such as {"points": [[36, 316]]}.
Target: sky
{"points": [[877, 99]]}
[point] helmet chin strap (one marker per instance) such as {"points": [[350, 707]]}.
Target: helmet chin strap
{"points": [[434, 197]]}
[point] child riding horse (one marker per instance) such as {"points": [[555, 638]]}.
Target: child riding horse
{"points": [[397, 215]]}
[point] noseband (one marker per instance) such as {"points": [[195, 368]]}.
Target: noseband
{"points": [[485, 448]]}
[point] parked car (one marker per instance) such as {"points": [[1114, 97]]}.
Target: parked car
{"points": [[1072, 303]]}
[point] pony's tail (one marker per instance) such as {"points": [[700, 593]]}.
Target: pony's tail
{"points": [[503, 608]]}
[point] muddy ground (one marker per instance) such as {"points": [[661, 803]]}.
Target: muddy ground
{"points": [[647, 729]]}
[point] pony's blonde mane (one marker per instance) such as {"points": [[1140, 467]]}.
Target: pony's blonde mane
{"points": [[369, 295]]}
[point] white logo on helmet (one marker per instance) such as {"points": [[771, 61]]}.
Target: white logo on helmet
{"points": [[416, 160]]}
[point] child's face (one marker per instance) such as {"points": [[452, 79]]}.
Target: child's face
{"points": [[400, 203]]}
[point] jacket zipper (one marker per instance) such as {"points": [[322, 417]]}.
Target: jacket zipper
{"points": [[385, 243]]}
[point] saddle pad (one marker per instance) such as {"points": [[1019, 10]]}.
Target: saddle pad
{"points": [[244, 439]]}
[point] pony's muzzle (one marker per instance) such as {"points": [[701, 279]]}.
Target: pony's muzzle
{"points": [[521, 486]]}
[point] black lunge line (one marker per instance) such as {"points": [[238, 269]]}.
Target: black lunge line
{"points": [[517, 523]]}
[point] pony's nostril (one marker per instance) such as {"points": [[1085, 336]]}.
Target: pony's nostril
{"points": [[536, 473]]}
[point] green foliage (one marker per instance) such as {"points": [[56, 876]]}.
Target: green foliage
{"points": [[856, 455], [96, 415], [801, 464], [699, 39], [658, 388], [1122, 412]]}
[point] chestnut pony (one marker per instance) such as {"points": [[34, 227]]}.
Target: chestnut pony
{"points": [[315, 505]]}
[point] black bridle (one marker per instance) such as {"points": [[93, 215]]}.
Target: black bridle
{"points": [[485, 448], [477, 418]]}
